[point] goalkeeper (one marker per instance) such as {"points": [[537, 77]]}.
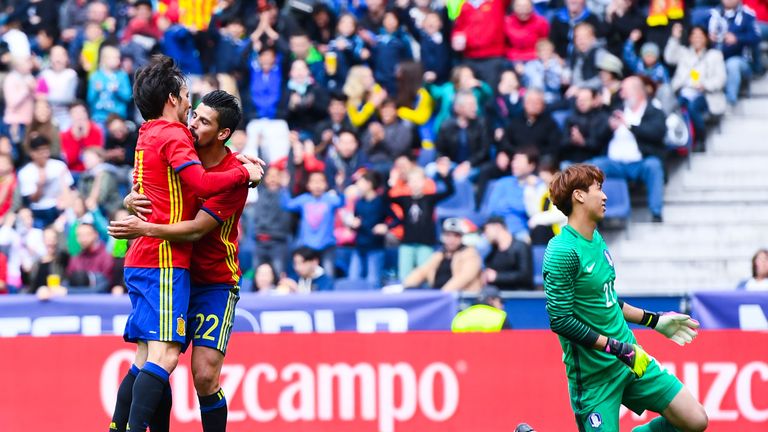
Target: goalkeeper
{"points": [[604, 364]]}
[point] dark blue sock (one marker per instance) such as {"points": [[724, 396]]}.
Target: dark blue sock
{"points": [[123, 402], [147, 392], [213, 412], [161, 421]]}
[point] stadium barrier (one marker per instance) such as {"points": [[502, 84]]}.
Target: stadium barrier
{"points": [[383, 382]]}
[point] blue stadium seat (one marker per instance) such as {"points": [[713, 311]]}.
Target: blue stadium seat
{"points": [[461, 204], [352, 285], [618, 205], [538, 263]]}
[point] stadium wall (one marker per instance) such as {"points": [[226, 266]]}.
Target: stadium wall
{"points": [[382, 382]]}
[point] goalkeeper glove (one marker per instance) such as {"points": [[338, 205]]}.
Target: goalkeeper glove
{"points": [[679, 327], [630, 354]]}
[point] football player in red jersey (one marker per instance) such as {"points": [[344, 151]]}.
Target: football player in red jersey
{"points": [[214, 268], [167, 170]]}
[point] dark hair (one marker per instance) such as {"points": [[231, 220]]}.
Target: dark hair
{"points": [[754, 261], [299, 33], [704, 31], [38, 141], [153, 84], [227, 108], [79, 103], [530, 152], [577, 176], [275, 276], [409, 78], [373, 178], [388, 101], [339, 96], [307, 253]]}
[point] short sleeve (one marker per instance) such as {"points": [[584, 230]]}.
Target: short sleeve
{"points": [[178, 150], [26, 181], [222, 206]]}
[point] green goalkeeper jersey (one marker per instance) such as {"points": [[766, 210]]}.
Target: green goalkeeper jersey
{"points": [[581, 300]]}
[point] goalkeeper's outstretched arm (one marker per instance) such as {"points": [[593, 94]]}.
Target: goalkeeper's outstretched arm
{"points": [[680, 328]]}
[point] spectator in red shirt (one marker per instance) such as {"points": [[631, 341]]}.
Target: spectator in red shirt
{"points": [[83, 133], [524, 28], [7, 184], [93, 259], [478, 33]]}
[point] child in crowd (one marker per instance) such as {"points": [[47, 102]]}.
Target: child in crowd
{"points": [[392, 47], [109, 88], [19, 90], [435, 51], [272, 227], [317, 209], [420, 231], [347, 49], [507, 104], [344, 159], [546, 72], [648, 63], [59, 85], [371, 210]]}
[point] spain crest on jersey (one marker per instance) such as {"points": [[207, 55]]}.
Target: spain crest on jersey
{"points": [[181, 327]]}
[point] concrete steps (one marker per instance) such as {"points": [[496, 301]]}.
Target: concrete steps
{"points": [[715, 214]]}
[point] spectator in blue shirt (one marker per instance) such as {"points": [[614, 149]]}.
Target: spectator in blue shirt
{"points": [[392, 46], [371, 210], [266, 84], [109, 88], [733, 29], [317, 209], [507, 198], [310, 275], [647, 63]]}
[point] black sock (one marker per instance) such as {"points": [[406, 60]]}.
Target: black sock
{"points": [[213, 412], [161, 421], [123, 402], [147, 392]]}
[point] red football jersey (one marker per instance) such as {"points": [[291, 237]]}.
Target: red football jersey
{"points": [[163, 149], [215, 256]]}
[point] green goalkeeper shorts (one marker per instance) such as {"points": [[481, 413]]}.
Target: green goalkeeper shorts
{"points": [[597, 407]]}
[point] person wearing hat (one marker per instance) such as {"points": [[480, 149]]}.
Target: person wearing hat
{"points": [[508, 265], [487, 315], [454, 267], [647, 64], [611, 72]]}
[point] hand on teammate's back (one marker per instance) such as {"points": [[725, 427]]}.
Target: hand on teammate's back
{"points": [[631, 355], [255, 167], [137, 203]]}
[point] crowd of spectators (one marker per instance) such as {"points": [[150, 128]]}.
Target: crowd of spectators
{"points": [[372, 115]]}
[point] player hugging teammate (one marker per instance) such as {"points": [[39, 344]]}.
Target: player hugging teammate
{"points": [[187, 187]]}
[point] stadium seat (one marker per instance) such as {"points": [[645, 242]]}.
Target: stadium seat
{"points": [[352, 285], [461, 204], [538, 263], [618, 205]]}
